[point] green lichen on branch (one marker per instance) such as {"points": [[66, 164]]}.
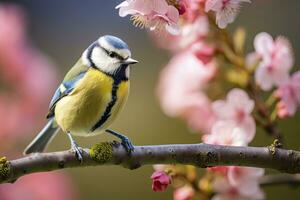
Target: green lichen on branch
{"points": [[4, 168], [101, 152], [272, 148]]}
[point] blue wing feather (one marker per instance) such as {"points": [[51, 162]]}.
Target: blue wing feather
{"points": [[59, 94]]}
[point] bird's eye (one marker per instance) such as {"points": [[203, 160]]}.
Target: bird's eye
{"points": [[112, 54]]}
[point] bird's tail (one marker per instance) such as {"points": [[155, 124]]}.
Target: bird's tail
{"points": [[40, 142]]}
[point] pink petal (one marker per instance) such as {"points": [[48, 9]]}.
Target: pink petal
{"points": [[123, 9], [183, 193], [173, 29], [280, 75], [263, 79], [220, 184], [246, 180], [225, 16], [222, 110], [296, 85], [289, 94], [226, 133], [142, 7], [239, 99], [159, 6], [252, 59], [240, 175], [249, 128], [172, 14], [214, 5], [263, 43], [284, 55]]}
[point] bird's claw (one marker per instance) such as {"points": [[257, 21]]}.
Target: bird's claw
{"points": [[78, 151], [127, 145], [125, 141]]}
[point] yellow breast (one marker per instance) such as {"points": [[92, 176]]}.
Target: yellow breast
{"points": [[85, 106]]}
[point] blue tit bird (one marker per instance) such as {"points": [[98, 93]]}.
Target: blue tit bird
{"points": [[90, 96]]}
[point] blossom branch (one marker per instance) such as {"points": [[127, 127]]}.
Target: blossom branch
{"points": [[200, 155], [280, 179], [262, 109]]}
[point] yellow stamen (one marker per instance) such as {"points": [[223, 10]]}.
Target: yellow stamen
{"points": [[139, 21]]}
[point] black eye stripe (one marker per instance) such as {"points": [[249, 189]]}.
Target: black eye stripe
{"points": [[112, 54]]}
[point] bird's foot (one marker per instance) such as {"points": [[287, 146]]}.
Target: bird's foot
{"points": [[78, 151], [127, 144]]}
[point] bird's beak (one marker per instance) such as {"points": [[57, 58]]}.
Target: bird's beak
{"points": [[130, 61]]}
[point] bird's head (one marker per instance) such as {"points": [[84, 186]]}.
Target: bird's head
{"points": [[109, 54]]}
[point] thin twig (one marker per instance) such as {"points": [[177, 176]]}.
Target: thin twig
{"points": [[281, 179]]}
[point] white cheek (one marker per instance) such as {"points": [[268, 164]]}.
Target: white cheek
{"points": [[85, 59], [99, 57], [127, 72], [103, 62]]}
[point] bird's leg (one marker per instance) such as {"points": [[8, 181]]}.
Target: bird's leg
{"points": [[125, 140], [77, 149]]}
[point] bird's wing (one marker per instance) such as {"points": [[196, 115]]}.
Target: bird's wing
{"points": [[68, 84]]}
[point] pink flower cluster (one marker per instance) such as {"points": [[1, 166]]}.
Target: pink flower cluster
{"points": [[40, 186], [237, 183], [24, 69], [275, 60], [226, 10], [30, 75], [184, 83], [166, 14], [179, 90], [184, 79], [289, 95], [155, 14], [234, 126], [182, 93]]}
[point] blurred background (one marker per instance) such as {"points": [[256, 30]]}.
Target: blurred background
{"points": [[58, 32]]}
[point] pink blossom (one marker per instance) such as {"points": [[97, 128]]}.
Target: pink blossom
{"points": [[226, 10], [179, 90], [237, 109], [183, 193], [160, 181], [24, 69], [40, 186], [191, 33], [289, 95], [203, 52], [155, 14], [252, 59], [240, 183], [276, 60], [191, 9], [226, 133]]}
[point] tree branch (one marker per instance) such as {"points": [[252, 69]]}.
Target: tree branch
{"points": [[201, 155]]}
